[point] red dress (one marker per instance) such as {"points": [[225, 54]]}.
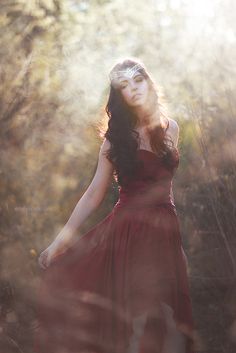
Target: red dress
{"points": [[122, 287]]}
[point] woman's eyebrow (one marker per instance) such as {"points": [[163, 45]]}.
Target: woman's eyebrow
{"points": [[125, 80]]}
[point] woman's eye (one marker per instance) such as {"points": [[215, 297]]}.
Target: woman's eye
{"points": [[136, 79]]}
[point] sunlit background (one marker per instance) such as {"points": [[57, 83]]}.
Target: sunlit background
{"points": [[55, 59]]}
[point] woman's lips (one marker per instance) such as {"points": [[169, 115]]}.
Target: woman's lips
{"points": [[136, 96]]}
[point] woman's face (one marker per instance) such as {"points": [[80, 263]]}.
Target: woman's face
{"points": [[134, 89]]}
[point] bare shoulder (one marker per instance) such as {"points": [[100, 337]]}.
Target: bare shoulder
{"points": [[173, 131], [105, 146], [173, 125]]}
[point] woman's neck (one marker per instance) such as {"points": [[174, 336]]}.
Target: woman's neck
{"points": [[146, 119]]}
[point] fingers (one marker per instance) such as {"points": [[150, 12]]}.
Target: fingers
{"points": [[48, 255], [43, 260]]}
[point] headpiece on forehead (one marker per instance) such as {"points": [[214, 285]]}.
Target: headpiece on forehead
{"points": [[129, 72]]}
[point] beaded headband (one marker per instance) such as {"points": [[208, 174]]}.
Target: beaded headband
{"points": [[129, 72]]}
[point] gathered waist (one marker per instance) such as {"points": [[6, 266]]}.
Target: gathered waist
{"points": [[135, 205]]}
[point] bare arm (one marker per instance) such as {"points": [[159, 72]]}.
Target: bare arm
{"points": [[92, 197], [173, 132]]}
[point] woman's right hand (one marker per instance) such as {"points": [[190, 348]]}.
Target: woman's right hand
{"points": [[51, 252]]}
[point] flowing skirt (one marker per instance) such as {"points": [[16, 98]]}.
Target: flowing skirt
{"points": [[121, 288]]}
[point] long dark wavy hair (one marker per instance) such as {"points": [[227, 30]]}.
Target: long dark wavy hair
{"points": [[122, 121]]}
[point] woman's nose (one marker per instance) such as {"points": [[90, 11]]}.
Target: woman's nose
{"points": [[133, 86]]}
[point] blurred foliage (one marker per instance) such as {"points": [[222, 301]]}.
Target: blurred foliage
{"points": [[55, 57]]}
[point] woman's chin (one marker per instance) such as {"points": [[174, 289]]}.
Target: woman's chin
{"points": [[138, 103]]}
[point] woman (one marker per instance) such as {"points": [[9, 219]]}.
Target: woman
{"points": [[122, 287]]}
